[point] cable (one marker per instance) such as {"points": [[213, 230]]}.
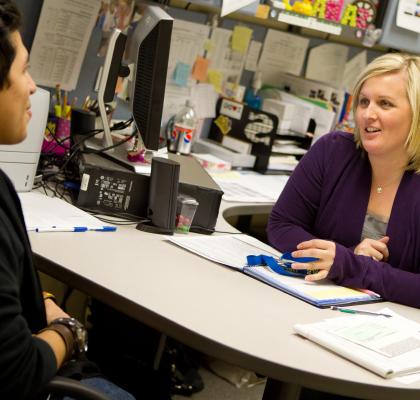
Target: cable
{"points": [[201, 228]]}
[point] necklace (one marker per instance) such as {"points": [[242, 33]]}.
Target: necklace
{"points": [[380, 188]]}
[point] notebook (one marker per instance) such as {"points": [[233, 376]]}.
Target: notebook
{"points": [[232, 251]]}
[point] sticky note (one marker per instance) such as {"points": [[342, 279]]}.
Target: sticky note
{"points": [[241, 36], [200, 69], [262, 11], [215, 78], [181, 74]]}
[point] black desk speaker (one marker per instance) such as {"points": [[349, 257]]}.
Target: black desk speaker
{"points": [[163, 193]]}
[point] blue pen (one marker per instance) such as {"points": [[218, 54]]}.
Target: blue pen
{"points": [[105, 229], [62, 229]]}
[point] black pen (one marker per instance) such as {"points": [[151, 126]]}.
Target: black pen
{"points": [[364, 312]]}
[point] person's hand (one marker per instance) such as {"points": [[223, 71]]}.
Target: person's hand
{"points": [[324, 250], [53, 311], [377, 249]]}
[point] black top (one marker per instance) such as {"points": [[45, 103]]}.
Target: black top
{"points": [[26, 362]]}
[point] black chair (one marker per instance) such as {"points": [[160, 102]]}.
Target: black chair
{"points": [[61, 386]]}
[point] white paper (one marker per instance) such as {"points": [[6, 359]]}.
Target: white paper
{"points": [[222, 58], [326, 63], [52, 214], [408, 15], [204, 98], [282, 52], [60, 42], [230, 250], [229, 6], [187, 43], [251, 62], [175, 98], [308, 88], [250, 188], [353, 68], [378, 335]]}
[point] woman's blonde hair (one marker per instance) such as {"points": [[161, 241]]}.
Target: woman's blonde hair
{"points": [[389, 63]]}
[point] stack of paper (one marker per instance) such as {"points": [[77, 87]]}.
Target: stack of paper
{"points": [[389, 347]]}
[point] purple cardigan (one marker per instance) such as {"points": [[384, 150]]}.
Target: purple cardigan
{"points": [[327, 196]]}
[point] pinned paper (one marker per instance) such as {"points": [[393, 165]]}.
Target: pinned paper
{"points": [[241, 36], [262, 11], [215, 78], [200, 69], [181, 74]]}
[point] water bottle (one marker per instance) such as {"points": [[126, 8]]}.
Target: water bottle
{"points": [[183, 129]]}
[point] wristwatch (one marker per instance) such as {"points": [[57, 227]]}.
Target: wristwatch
{"points": [[80, 342]]}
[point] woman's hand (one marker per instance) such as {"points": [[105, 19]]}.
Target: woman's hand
{"points": [[53, 311], [324, 250], [377, 249]]}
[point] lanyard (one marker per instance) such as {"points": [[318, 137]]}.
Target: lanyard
{"points": [[281, 266]]}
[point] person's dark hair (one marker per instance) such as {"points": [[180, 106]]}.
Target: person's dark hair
{"points": [[10, 21]]}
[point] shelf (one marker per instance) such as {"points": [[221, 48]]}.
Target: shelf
{"points": [[286, 20]]}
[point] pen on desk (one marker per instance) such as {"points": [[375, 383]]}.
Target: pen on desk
{"points": [[105, 229], [58, 229], [363, 312]]}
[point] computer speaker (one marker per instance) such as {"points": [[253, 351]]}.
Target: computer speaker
{"points": [[163, 193]]}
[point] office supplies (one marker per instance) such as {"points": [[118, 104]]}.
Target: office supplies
{"points": [[389, 347], [51, 214], [232, 251], [20, 161], [356, 311], [58, 229]]}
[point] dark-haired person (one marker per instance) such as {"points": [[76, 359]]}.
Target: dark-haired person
{"points": [[354, 200], [36, 336]]}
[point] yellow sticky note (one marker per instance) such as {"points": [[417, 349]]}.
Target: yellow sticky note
{"points": [[262, 11], [241, 36], [215, 78], [200, 68]]}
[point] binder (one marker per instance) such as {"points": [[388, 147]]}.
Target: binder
{"points": [[232, 251]]}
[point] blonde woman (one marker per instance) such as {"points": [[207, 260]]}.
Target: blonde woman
{"points": [[353, 202]]}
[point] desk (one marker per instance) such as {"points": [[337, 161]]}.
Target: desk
{"points": [[212, 308]]}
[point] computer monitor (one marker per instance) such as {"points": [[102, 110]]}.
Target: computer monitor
{"points": [[148, 53]]}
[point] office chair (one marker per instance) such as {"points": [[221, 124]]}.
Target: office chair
{"points": [[61, 386]]}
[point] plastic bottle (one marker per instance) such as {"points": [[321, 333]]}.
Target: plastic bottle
{"points": [[183, 130], [251, 97]]}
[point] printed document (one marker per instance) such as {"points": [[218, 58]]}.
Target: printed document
{"points": [[388, 346], [187, 43], [326, 63], [61, 40], [282, 52], [51, 214]]}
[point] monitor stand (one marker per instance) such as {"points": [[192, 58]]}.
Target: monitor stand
{"points": [[119, 155]]}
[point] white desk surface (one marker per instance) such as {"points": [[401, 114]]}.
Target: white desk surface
{"points": [[217, 310]]}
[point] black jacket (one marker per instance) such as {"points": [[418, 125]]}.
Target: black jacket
{"points": [[26, 362]]}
